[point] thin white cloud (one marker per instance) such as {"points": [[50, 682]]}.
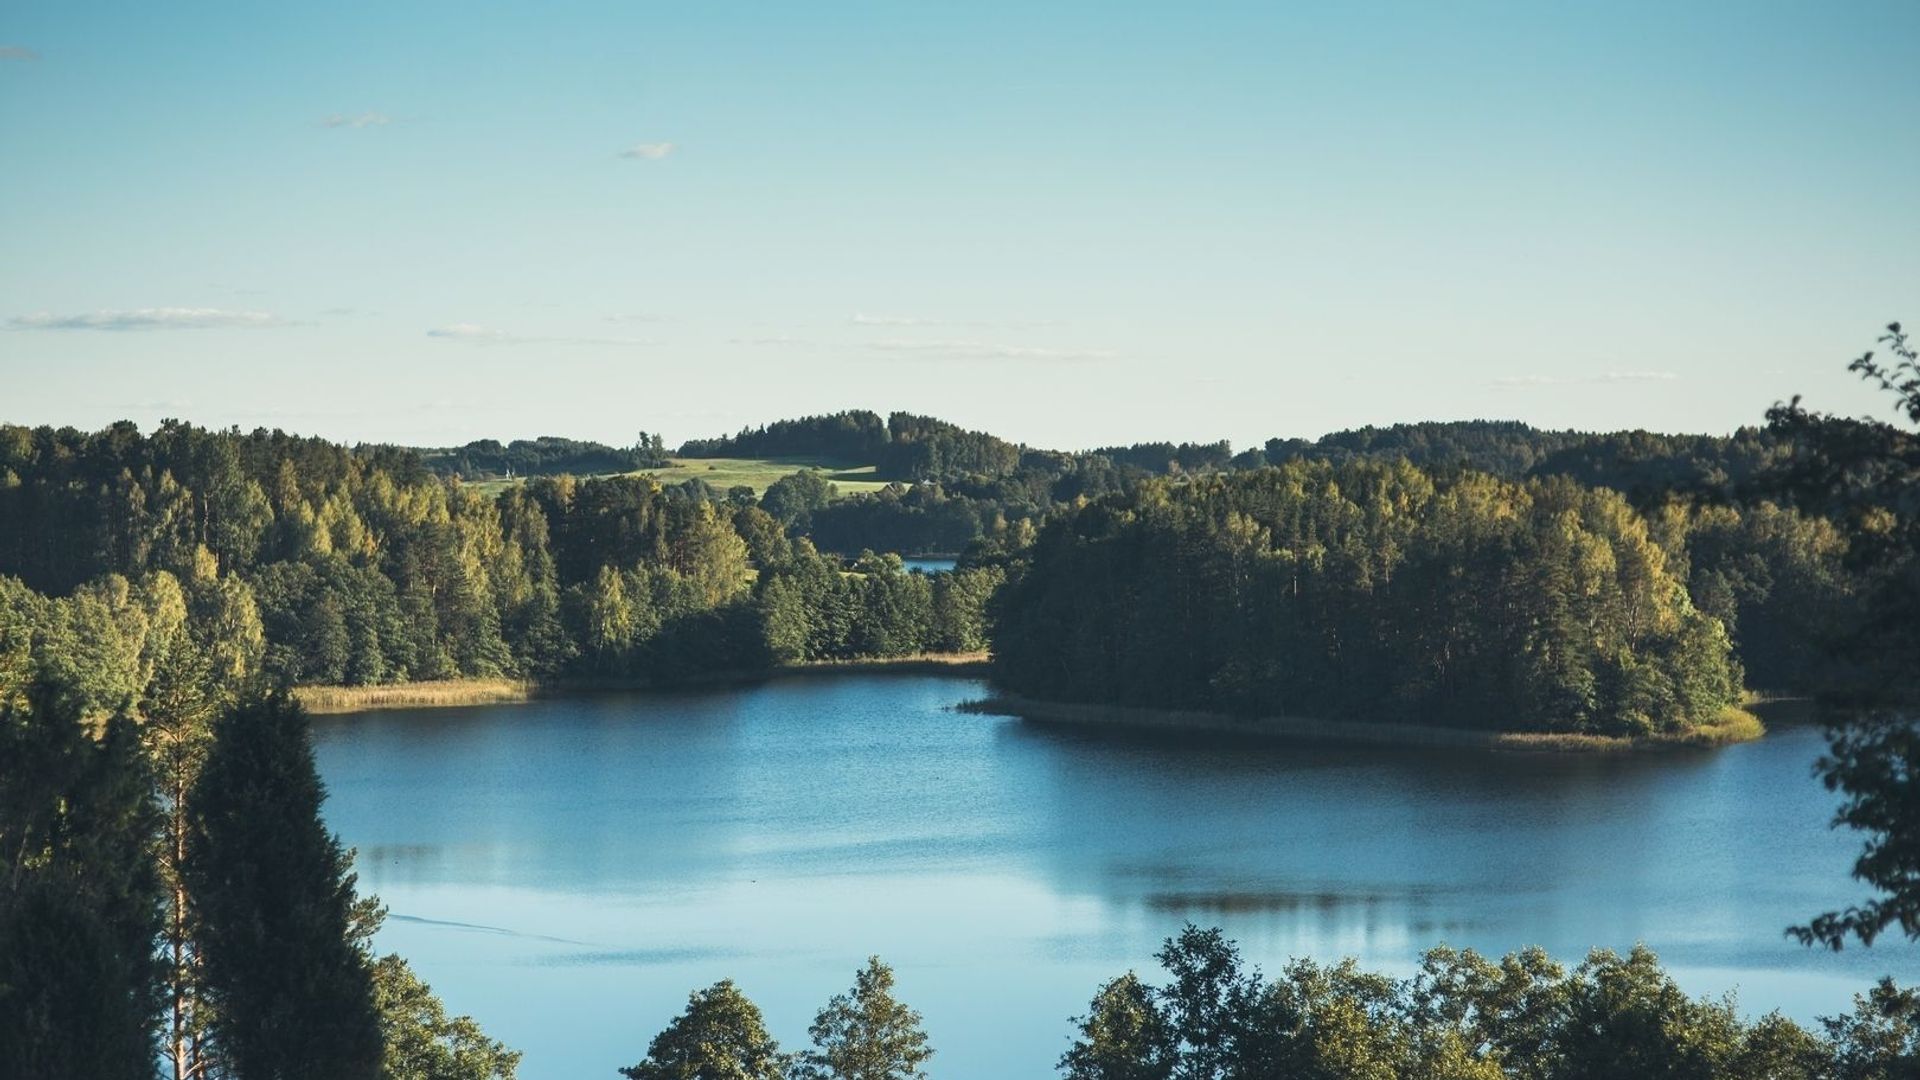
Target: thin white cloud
{"points": [[775, 342], [476, 334], [1522, 381], [17, 52], [863, 319], [466, 331], [357, 120], [648, 151], [157, 318], [986, 350]]}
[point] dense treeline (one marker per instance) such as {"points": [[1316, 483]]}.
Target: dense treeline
{"points": [[330, 565], [1369, 591], [903, 446], [1505, 448], [168, 892], [1465, 1017], [1165, 457], [1645, 466], [1461, 1016], [547, 455], [985, 484], [362, 566]]}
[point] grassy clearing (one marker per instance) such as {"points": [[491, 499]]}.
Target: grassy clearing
{"points": [[758, 473], [723, 473], [416, 695]]}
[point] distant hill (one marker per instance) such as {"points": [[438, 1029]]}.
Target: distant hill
{"points": [[903, 447]]}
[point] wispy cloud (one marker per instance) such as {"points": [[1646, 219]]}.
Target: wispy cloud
{"points": [[466, 331], [476, 334], [648, 151], [357, 120], [863, 319], [157, 318], [777, 341], [986, 350], [17, 52], [1523, 381]]}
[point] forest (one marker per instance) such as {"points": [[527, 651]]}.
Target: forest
{"points": [[1365, 591], [170, 889], [1641, 582], [324, 564]]}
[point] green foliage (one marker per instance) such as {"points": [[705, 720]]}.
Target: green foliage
{"points": [[810, 607], [1874, 761], [1463, 1017], [1866, 475], [857, 435], [547, 455], [422, 1043], [1125, 1035], [362, 566], [1367, 592], [291, 989], [79, 896], [792, 500], [865, 1034], [720, 1036], [1880, 1039]]}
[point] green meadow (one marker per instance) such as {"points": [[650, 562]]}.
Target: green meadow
{"points": [[756, 473]]}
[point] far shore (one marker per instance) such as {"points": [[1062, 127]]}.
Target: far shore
{"points": [[1734, 725], [340, 700]]}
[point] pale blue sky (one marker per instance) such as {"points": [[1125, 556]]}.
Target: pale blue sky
{"points": [[1071, 224]]}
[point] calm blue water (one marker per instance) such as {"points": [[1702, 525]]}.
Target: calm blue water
{"points": [[567, 870]]}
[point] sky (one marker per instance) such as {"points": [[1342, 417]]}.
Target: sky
{"points": [[1071, 224]]}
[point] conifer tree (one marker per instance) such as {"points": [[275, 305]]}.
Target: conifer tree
{"points": [[865, 1034], [290, 987], [79, 899]]}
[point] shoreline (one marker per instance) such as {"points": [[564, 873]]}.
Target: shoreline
{"points": [[1736, 725], [452, 693]]}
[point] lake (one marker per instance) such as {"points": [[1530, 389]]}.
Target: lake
{"points": [[567, 870]]}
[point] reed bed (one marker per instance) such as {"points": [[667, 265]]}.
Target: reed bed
{"points": [[414, 695]]}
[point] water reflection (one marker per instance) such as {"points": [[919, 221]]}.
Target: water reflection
{"points": [[567, 870]]}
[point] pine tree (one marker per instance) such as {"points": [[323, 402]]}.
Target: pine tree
{"points": [[866, 1034], [79, 899], [291, 991]]}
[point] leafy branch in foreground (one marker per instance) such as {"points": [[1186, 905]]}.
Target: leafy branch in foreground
{"points": [[1869, 474]]}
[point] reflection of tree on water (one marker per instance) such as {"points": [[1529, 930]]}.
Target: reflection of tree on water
{"points": [[1377, 852]]}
